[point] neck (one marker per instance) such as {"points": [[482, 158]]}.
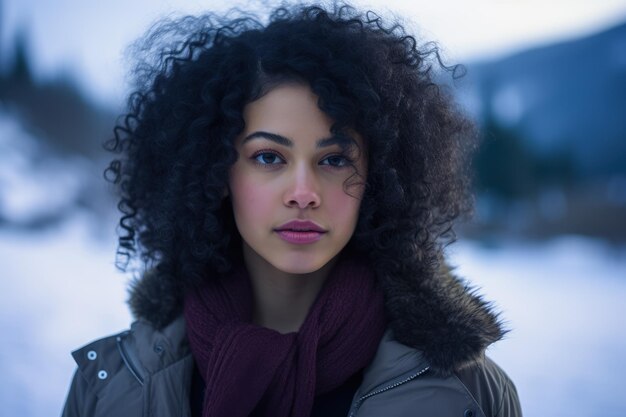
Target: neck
{"points": [[282, 300]]}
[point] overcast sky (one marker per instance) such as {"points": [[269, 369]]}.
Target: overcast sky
{"points": [[87, 38]]}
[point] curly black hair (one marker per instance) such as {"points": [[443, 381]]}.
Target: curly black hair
{"points": [[175, 143]]}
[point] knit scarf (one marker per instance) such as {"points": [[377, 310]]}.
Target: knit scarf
{"points": [[249, 368]]}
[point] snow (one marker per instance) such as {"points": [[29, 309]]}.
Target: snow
{"points": [[33, 183], [58, 290], [564, 303], [562, 300]]}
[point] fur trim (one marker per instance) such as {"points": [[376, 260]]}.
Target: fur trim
{"points": [[155, 300], [441, 316], [445, 318]]}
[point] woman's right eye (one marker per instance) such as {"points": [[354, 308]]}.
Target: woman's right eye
{"points": [[268, 158]]}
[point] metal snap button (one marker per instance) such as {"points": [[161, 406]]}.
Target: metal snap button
{"points": [[103, 374], [92, 355], [468, 413]]}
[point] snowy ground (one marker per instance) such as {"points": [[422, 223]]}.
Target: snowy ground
{"points": [[563, 300], [58, 290]]}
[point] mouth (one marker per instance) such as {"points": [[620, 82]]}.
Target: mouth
{"points": [[300, 232]]}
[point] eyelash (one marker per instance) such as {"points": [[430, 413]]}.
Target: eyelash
{"points": [[346, 161]]}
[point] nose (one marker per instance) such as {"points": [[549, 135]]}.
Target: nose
{"points": [[303, 190]]}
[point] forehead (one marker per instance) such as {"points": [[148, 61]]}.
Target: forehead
{"points": [[288, 108], [291, 111]]}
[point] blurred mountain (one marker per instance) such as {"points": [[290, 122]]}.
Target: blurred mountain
{"points": [[553, 123], [51, 137], [566, 99], [55, 111]]}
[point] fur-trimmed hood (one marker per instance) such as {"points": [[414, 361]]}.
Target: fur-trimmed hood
{"points": [[444, 317]]}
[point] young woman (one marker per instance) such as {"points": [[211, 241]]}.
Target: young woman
{"points": [[288, 189]]}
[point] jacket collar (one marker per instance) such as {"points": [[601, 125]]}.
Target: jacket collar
{"points": [[439, 316], [158, 348], [393, 360]]}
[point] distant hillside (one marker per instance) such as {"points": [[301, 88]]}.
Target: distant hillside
{"points": [[52, 159], [568, 98], [55, 111]]}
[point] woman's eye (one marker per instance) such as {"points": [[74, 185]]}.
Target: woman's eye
{"points": [[268, 158], [335, 161]]}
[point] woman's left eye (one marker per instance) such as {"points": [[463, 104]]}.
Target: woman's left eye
{"points": [[335, 161]]}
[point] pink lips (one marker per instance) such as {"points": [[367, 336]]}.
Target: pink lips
{"points": [[300, 232]]}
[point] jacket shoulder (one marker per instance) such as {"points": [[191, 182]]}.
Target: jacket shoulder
{"points": [[491, 388], [100, 362], [101, 376], [115, 372], [400, 381]]}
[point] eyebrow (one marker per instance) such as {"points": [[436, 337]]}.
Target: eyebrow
{"points": [[341, 140]]}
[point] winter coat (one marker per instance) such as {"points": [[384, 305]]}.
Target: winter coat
{"points": [[442, 371]]}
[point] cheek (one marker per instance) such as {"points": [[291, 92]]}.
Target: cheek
{"points": [[250, 200], [344, 207]]}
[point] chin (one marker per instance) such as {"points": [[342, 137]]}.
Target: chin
{"points": [[301, 267]]}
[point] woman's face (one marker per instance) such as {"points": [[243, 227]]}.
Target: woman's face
{"points": [[288, 186]]}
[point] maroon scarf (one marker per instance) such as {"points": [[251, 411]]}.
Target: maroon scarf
{"points": [[247, 367]]}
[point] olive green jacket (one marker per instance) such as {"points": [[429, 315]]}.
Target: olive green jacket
{"points": [[147, 372]]}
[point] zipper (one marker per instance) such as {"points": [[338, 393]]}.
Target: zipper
{"points": [[126, 357], [377, 391]]}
